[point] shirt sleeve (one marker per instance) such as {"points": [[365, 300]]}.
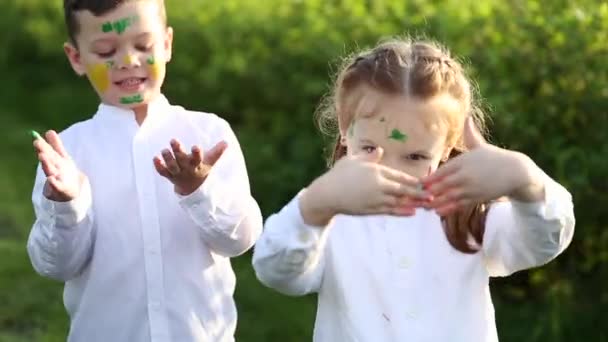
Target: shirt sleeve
{"points": [[522, 235], [290, 254], [61, 240], [227, 215]]}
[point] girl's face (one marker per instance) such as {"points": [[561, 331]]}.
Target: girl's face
{"points": [[412, 132]]}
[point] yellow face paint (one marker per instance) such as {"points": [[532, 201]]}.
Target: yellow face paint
{"points": [[154, 68], [98, 74], [129, 60]]}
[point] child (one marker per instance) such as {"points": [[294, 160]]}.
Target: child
{"points": [[144, 253], [394, 253]]}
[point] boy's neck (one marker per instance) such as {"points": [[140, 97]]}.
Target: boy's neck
{"points": [[141, 113]]}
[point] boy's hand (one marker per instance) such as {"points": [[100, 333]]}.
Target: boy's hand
{"points": [[186, 171], [64, 180], [482, 174]]}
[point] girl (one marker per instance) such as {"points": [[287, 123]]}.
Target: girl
{"points": [[401, 235]]}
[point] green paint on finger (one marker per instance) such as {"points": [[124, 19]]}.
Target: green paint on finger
{"points": [[35, 135], [396, 134], [132, 99]]}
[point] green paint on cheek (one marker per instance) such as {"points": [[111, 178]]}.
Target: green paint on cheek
{"points": [[397, 135], [110, 64], [151, 60], [132, 99]]}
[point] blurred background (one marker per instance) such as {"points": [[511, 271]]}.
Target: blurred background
{"points": [[542, 68]]}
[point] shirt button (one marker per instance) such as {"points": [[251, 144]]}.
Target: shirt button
{"points": [[304, 237], [404, 263]]}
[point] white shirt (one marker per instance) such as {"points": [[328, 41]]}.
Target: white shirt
{"points": [[141, 263], [386, 278]]}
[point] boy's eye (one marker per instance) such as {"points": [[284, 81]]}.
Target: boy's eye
{"points": [[144, 48], [106, 54], [369, 148]]}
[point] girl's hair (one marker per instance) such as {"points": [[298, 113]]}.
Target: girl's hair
{"points": [[422, 70]]}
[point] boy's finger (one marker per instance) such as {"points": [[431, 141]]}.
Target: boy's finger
{"points": [[183, 161], [170, 162], [161, 168], [42, 146], [197, 156], [213, 155], [55, 142], [47, 165]]}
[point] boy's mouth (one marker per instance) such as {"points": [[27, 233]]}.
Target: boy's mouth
{"points": [[131, 84]]}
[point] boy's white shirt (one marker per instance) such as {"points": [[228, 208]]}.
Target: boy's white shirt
{"points": [[140, 262], [385, 278]]}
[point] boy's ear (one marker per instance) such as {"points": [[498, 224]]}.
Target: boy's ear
{"points": [[168, 44], [74, 57]]}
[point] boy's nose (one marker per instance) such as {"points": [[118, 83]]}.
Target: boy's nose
{"points": [[129, 61]]}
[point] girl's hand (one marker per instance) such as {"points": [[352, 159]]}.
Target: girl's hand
{"points": [[186, 171], [64, 180], [358, 185], [482, 174]]}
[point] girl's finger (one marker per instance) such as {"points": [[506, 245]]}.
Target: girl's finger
{"points": [[398, 176], [197, 156], [55, 142], [442, 172], [181, 157], [452, 208], [170, 162], [452, 195], [161, 168], [443, 184]]}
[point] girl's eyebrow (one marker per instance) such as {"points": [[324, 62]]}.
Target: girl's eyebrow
{"points": [[366, 141]]}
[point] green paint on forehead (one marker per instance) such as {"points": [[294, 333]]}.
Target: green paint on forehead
{"points": [[131, 99], [351, 129], [396, 134], [150, 60], [119, 26]]}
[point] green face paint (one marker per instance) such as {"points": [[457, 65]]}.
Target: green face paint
{"points": [[35, 135], [110, 64], [119, 26], [397, 135], [131, 99], [351, 129], [151, 60]]}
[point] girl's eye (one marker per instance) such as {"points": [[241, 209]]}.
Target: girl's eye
{"points": [[106, 54], [369, 149], [416, 157]]}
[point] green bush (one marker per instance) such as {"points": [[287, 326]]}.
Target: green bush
{"points": [[265, 65]]}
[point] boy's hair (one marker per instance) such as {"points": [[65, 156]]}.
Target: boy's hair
{"points": [[98, 8], [419, 69]]}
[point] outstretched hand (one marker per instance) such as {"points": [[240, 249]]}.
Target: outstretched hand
{"points": [[187, 171]]}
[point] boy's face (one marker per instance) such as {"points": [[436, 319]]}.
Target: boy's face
{"points": [[123, 53]]}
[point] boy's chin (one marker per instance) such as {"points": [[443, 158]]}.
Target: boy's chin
{"points": [[130, 101]]}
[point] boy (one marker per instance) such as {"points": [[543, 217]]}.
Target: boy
{"points": [[142, 258]]}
